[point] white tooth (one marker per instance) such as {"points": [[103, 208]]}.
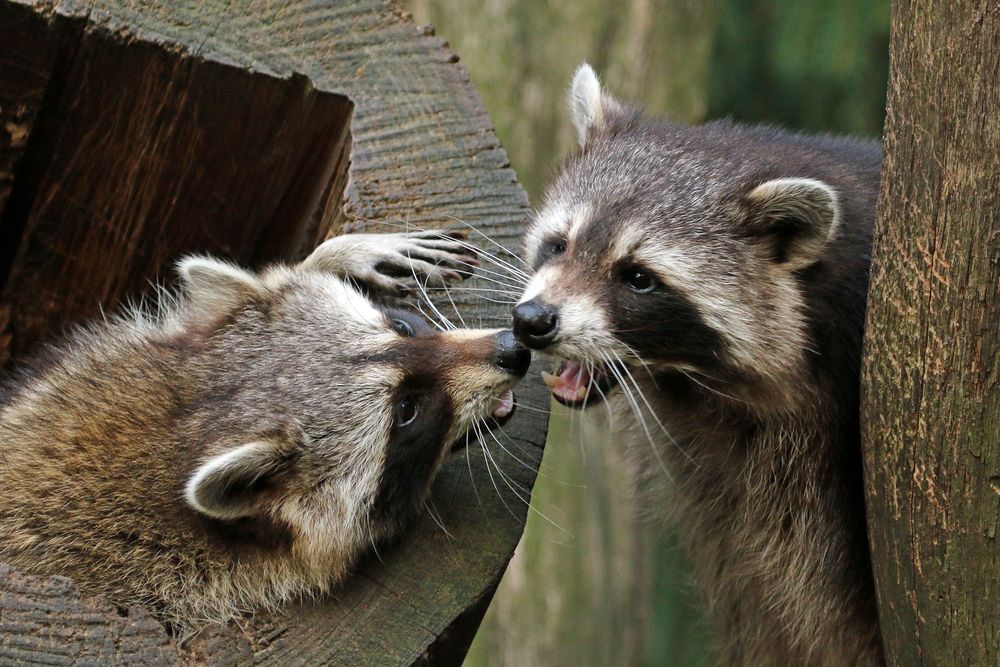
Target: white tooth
{"points": [[551, 381], [581, 393]]}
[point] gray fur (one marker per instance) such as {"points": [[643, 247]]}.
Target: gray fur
{"points": [[743, 381], [225, 451]]}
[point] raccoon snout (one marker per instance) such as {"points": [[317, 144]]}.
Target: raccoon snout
{"points": [[536, 323], [511, 355]]}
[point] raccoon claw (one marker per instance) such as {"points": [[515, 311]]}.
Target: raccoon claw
{"points": [[396, 262]]}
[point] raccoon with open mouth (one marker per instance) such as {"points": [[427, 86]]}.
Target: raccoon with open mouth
{"points": [[709, 283], [249, 440]]}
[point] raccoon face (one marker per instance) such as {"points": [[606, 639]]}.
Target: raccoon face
{"points": [[659, 250], [326, 412]]}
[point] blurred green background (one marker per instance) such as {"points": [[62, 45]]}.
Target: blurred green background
{"points": [[589, 585]]}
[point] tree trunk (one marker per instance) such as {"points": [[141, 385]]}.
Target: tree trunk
{"points": [[931, 407]]}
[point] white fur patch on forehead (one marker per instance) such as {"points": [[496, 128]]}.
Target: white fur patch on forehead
{"points": [[627, 242], [677, 266], [556, 221], [578, 219]]}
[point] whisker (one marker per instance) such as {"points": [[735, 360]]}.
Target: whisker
{"points": [[512, 270], [437, 519], [490, 239], [468, 463], [508, 481], [490, 472], [652, 412], [627, 392]]}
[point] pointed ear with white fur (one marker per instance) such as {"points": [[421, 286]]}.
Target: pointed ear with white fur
{"points": [[590, 107], [230, 485], [796, 217], [215, 289]]}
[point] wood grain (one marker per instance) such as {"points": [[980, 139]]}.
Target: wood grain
{"points": [[46, 619], [223, 127], [931, 406]]}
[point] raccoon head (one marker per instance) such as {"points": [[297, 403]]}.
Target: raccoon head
{"points": [[325, 412], [668, 250]]}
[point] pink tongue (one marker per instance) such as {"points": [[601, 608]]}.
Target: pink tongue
{"points": [[504, 406], [572, 382]]}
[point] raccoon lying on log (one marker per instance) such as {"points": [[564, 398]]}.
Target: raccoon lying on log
{"points": [[247, 439], [710, 283]]}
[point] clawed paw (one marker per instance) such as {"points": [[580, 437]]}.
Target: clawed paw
{"points": [[397, 262]]}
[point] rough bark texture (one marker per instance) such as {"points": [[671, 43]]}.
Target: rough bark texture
{"points": [[132, 132], [931, 406]]}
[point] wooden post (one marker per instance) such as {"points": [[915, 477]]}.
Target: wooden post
{"points": [[931, 406], [134, 131]]}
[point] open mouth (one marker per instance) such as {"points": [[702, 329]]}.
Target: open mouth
{"points": [[501, 412], [578, 386]]}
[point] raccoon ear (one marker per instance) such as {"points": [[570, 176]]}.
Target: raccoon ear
{"points": [[796, 216], [229, 485], [589, 106], [215, 288]]}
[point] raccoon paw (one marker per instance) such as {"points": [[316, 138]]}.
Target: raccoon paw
{"points": [[396, 262]]}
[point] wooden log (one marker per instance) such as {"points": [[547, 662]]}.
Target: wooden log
{"points": [[931, 378], [146, 130]]}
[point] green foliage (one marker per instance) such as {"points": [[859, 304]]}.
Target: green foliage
{"points": [[807, 64]]}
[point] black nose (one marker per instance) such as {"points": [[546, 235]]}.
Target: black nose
{"points": [[536, 324], [511, 355]]}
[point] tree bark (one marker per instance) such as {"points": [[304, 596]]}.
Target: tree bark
{"points": [[931, 406]]}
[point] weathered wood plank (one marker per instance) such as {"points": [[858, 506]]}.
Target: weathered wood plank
{"points": [[46, 618], [145, 154], [189, 90]]}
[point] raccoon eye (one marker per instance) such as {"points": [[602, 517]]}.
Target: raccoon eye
{"points": [[638, 280], [403, 328], [553, 248], [406, 411]]}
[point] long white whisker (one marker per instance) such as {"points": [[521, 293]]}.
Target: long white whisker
{"points": [[710, 389], [482, 446], [468, 463], [652, 412], [509, 481], [508, 276], [490, 239], [437, 519], [627, 392], [513, 270], [513, 288]]}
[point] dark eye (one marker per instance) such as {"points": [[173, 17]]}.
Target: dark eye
{"points": [[406, 411], [556, 247], [403, 328], [638, 280]]}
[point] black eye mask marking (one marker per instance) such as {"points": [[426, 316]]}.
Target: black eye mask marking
{"points": [[662, 324], [422, 419], [638, 279], [406, 323], [407, 409]]}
